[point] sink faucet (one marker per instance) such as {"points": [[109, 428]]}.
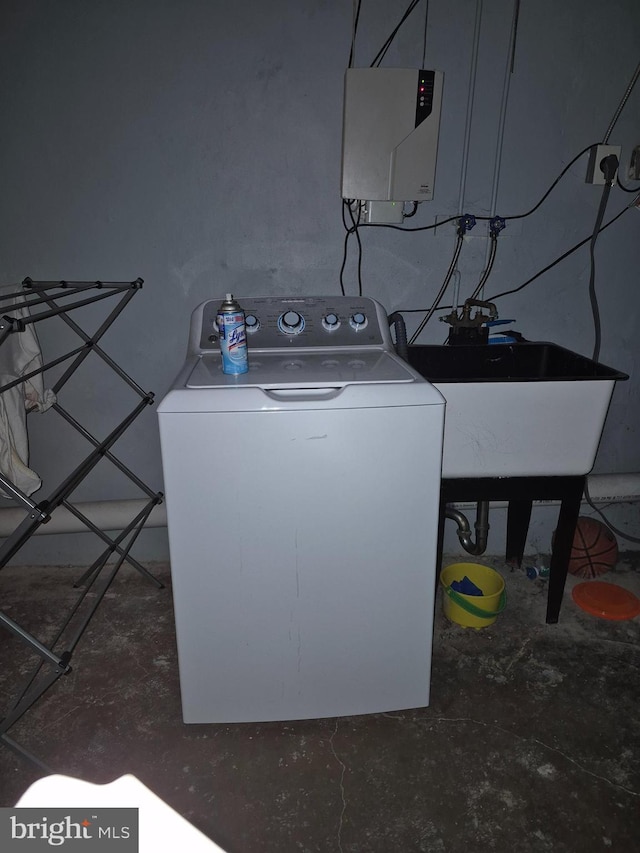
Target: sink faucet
{"points": [[465, 318], [466, 328]]}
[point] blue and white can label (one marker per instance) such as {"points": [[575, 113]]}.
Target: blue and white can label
{"points": [[233, 342]]}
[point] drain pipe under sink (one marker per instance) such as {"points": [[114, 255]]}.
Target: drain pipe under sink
{"points": [[464, 528]]}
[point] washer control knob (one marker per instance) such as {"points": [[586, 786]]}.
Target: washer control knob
{"points": [[291, 323], [331, 322], [358, 320], [251, 323]]}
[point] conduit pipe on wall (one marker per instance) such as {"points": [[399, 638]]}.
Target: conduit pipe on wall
{"points": [[115, 515], [106, 515], [603, 489], [497, 165], [471, 94]]}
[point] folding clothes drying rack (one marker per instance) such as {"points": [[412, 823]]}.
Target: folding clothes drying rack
{"points": [[44, 300]]}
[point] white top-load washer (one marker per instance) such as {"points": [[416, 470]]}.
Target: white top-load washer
{"points": [[302, 503]]}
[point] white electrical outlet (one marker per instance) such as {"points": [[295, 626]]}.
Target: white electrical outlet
{"points": [[595, 174]]}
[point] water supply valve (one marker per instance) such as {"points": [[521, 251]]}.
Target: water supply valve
{"points": [[465, 223], [496, 224]]}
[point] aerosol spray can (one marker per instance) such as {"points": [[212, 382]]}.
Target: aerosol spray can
{"points": [[233, 336]]}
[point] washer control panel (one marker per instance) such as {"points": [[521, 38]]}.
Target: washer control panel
{"points": [[300, 322]]}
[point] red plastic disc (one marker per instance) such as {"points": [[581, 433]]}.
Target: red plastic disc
{"points": [[606, 600]]}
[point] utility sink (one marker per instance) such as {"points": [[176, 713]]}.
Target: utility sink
{"points": [[518, 410]]}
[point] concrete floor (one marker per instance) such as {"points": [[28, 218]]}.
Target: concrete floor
{"points": [[531, 742]]}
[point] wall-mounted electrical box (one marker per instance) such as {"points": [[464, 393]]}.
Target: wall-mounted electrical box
{"points": [[390, 133]]}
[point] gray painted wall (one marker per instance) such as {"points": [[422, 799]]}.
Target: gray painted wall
{"points": [[197, 144]]}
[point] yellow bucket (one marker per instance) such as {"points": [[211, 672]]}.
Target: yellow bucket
{"points": [[473, 611]]}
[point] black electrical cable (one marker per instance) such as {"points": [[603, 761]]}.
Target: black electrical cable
{"points": [[534, 277], [385, 47], [626, 189], [351, 229], [345, 203], [597, 229], [354, 230], [552, 187], [605, 519], [346, 206], [557, 260], [356, 18], [424, 37], [593, 298], [515, 216], [419, 228]]}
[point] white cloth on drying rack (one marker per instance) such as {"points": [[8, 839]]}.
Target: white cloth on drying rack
{"points": [[19, 355]]}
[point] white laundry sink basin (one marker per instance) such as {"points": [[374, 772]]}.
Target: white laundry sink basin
{"points": [[518, 410]]}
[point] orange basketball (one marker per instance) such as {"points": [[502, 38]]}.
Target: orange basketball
{"points": [[594, 550]]}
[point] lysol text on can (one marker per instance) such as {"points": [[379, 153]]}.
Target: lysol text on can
{"points": [[233, 336]]}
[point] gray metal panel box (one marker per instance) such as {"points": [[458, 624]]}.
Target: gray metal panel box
{"points": [[390, 133]]}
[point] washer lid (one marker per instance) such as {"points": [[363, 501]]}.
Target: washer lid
{"points": [[304, 369]]}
